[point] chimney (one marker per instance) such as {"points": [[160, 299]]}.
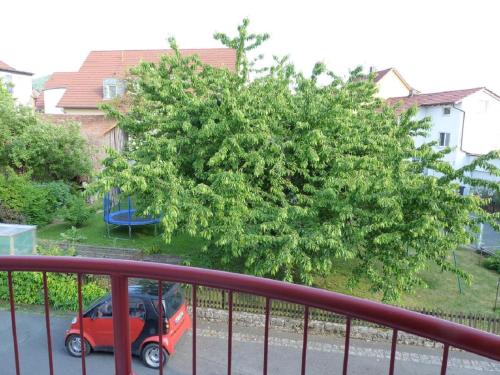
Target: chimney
{"points": [[372, 69]]}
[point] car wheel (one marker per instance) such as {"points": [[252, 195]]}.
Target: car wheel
{"points": [[151, 357], [74, 347]]}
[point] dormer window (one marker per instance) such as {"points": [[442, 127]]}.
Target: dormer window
{"points": [[111, 88]]}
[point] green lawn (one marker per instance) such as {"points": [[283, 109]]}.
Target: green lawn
{"points": [[143, 238], [442, 292]]}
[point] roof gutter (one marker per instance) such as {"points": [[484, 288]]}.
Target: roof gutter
{"points": [[13, 71], [462, 130]]}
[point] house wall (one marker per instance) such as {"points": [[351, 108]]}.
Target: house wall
{"points": [[101, 133], [480, 132], [51, 98], [482, 125], [83, 111], [391, 86], [22, 90], [441, 123], [480, 172]]}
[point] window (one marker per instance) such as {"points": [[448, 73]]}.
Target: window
{"points": [[109, 91], [105, 310], [112, 87], [444, 139], [136, 308], [7, 82], [446, 111]]}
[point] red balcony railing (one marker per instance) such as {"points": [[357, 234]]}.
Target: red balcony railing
{"points": [[448, 333]]}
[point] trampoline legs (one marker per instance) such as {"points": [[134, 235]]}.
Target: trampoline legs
{"points": [[156, 231], [129, 231], [107, 228]]}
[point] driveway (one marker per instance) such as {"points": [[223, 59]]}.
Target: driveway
{"points": [[325, 354]]}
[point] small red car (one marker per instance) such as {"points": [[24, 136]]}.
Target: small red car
{"points": [[144, 313]]}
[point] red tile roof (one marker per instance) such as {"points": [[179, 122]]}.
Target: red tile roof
{"points": [[435, 98], [59, 80], [85, 87]]}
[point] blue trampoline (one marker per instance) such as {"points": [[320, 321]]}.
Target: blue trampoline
{"points": [[120, 212]]}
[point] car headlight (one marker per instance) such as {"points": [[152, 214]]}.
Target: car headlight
{"points": [[74, 320]]}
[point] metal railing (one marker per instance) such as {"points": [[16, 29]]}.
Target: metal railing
{"points": [[398, 319]]}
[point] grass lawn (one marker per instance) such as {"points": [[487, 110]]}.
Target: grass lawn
{"points": [[442, 292], [143, 238]]}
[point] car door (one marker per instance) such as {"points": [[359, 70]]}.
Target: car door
{"points": [[137, 315], [99, 324]]}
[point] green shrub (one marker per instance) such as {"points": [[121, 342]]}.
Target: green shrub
{"points": [[63, 293], [58, 194], [51, 152], [38, 203], [493, 262], [10, 216], [77, 211]]}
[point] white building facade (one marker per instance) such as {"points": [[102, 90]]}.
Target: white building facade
{"points": [[18, 83], [467, 121]]}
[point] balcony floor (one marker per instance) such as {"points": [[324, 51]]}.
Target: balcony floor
{"points": [[324, 356]]}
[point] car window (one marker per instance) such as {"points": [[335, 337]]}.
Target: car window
{"points": [[136, 308], [174, 301], [105, 310]]}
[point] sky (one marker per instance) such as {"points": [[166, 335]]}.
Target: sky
{"points": [[436, 45]]}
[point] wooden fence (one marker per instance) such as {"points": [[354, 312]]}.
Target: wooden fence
{"points": [[217, 299]]}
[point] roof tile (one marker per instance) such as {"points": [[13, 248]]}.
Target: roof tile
{"points": [[435, 98], [85, 87]]}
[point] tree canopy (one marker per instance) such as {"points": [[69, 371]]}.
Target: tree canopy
{"points": [[30, 144], [283, 174]]}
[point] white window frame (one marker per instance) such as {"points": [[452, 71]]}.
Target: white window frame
{"points": [[107, 92], [445, 138]]}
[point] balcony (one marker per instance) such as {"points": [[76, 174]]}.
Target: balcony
{"points": [[223, 347]]}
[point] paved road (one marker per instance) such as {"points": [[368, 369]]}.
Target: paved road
{"points": [[325, 354]]}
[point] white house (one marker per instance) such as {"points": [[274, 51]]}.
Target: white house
{"points": [[18, 83], [467, 120]]}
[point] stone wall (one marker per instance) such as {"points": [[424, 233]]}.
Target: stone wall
{"points": [[245, 319]]}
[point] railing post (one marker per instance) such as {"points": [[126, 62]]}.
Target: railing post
{"points": [[121, 327]]}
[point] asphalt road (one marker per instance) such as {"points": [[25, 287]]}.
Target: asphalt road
{"points": [[324, 355]]}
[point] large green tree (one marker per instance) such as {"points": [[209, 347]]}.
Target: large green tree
{"points": [[30, 144], [284, 174]]}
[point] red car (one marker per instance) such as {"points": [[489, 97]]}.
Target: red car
{"points": [[143, 312]]}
